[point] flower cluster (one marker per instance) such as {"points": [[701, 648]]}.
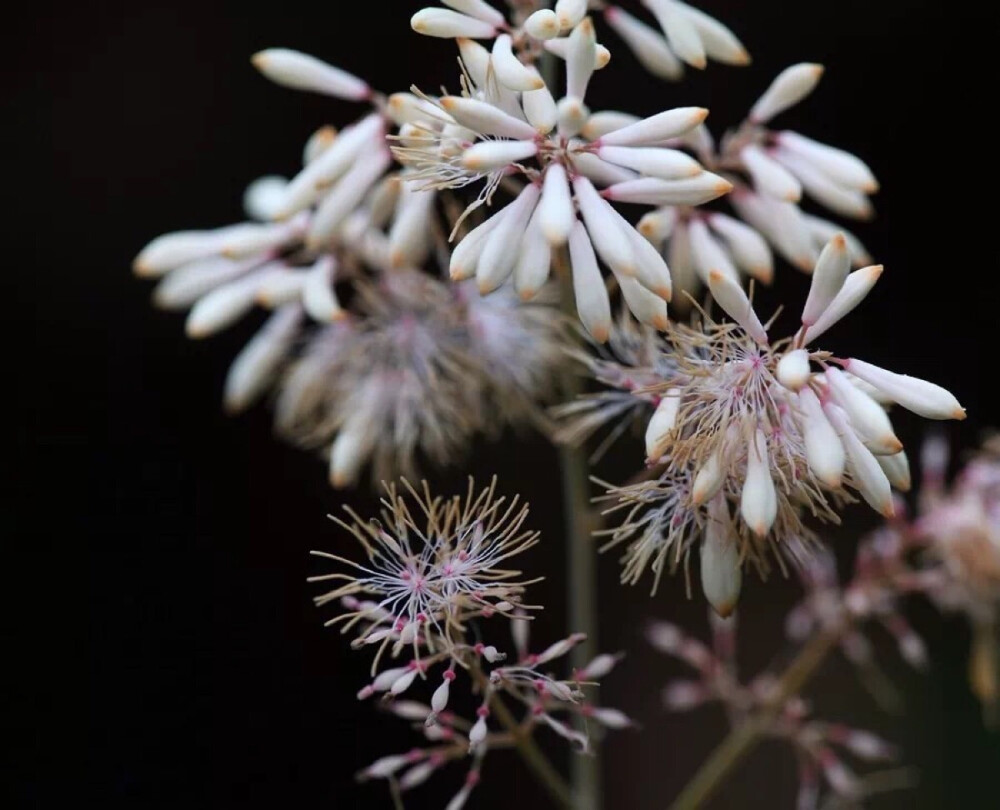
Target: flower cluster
{"points": [[434, 579], [751, 437]]}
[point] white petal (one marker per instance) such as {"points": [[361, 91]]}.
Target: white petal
{"points": [[540, 109], [318, 295], [660, 127], [486, 119], [793, 369], [857, 285], [479, 9], [257, 363], [652, 191], [661, 423], [650, 49], [924, 398], [303, 72], [824, 450], [604, 227], [721, 575], [581, 55], [789, 88], [680, 30], [534, 260], [748, 248], [346, 195], [821, 187], [769, 176], [868, 476], [465, 255], [719, 42], [556, 213], [500, 251], [729, 295], [897, 469], [758, 501], [510, 72], [264, 196], [601, 123], [843, 167], [441, 22], [868, 418], [592, 302], [668, 164], [542, 24], [570, 13], [708, 255], [828, 279], [648, 307], [487, 156]]}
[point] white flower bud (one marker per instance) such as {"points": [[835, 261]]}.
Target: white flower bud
{"points": [[868, 418], [318, 143], [647, 306], [556, 213], [770, 177], [487, 119], [349, 451], [649, 48], [782, 223], [303, 72], [718, 41], [601, 123], [404, 682], [730, 297], [759, 501], [600, 171], [581, 55], [682, 271], [540, 109], [440, 22], [592, 303], [857, 285], [793, 369], [182, 287], [559, 648], [542, 24], [653, 191], [570, 13], [657, 225], [708, 255], [493, 655], [924, 398], [439, 700], [479, 9], [824, 450], [477, 733], [847, 202], [496, 262], [651, 270], [611, 718], [387, 678], [263, 197], [599, 667], [572, 115], [897, 469], [417, 775], [346, 195], [822, 231], [789, 88], [604, 227], [318, 295], [222, 307], [661, 423], [668, 164], [486, 156], [465, 255], [385, 766], [681, 696], [709, 480], [680, 31], [721, 575], [660, 127], [510, 72], [534, 259], [842, 167], [871, 482], [748, 248], [173, 250], [828, 279], [257, 363]]}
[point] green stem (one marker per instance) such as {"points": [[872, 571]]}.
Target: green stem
{"points": [[741, 740]]}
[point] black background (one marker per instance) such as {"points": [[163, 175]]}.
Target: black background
{"points": [[165, 584]]}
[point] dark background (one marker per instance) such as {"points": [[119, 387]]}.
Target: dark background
{"points": [[164, 585]]}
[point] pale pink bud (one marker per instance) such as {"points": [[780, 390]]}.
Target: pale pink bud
{"points": [[556, 215], [924, 398], [440, 22], [385, 766], [599, 667], [649, 47], [828, 279], [721, 575], [418, 774], [478, 732], [661, 423], [841, 166], [660, 127], [559, 648], [789, 88], [385, 679], [729, 295], [758, 502], [769, 176], [409, 709], [439, 700], [487, 119], [839, 776], [404, 682], [664, 636], [866, 745], [681, 696], [611, 718], [708, 255], [857, 285], [542, 24], [680, 31], [302, 72], [653, 191], [257, 363], [871, 482], [824, 450]]}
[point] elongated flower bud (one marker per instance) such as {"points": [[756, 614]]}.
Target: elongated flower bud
{"points": [[581, 55], [570, 13], [222, 307], [828, 279], [303, 72], [709, 480], [897, 469], [480, 9], [657, 225], [542, 24], [857, 285], [759, 501], [840, 166], [769, 176], [346, 196], [605, 121], [660, 127], [184, 286], [924, 398], [648, 46], [729, 295], [680, 31], [263, 197], [534, 260], [718, 41], [668, 164], [748, 248], [497, 260], [604, 228], [721, 575], [647, 307], [556, 213], [510, 72], [465, 256], [847, 202], [404, 682], [441, 22], [822, 230], [653, 191], [349, 452], [651, 270], [256, 365], [824, 450], [793, 369], [661, 423], [318, 295], [868, 476], [789, 88], [709, 256], [486, 156], [482, 117], [866, 415], [592, 301], [439, 700], [540, 109]]}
